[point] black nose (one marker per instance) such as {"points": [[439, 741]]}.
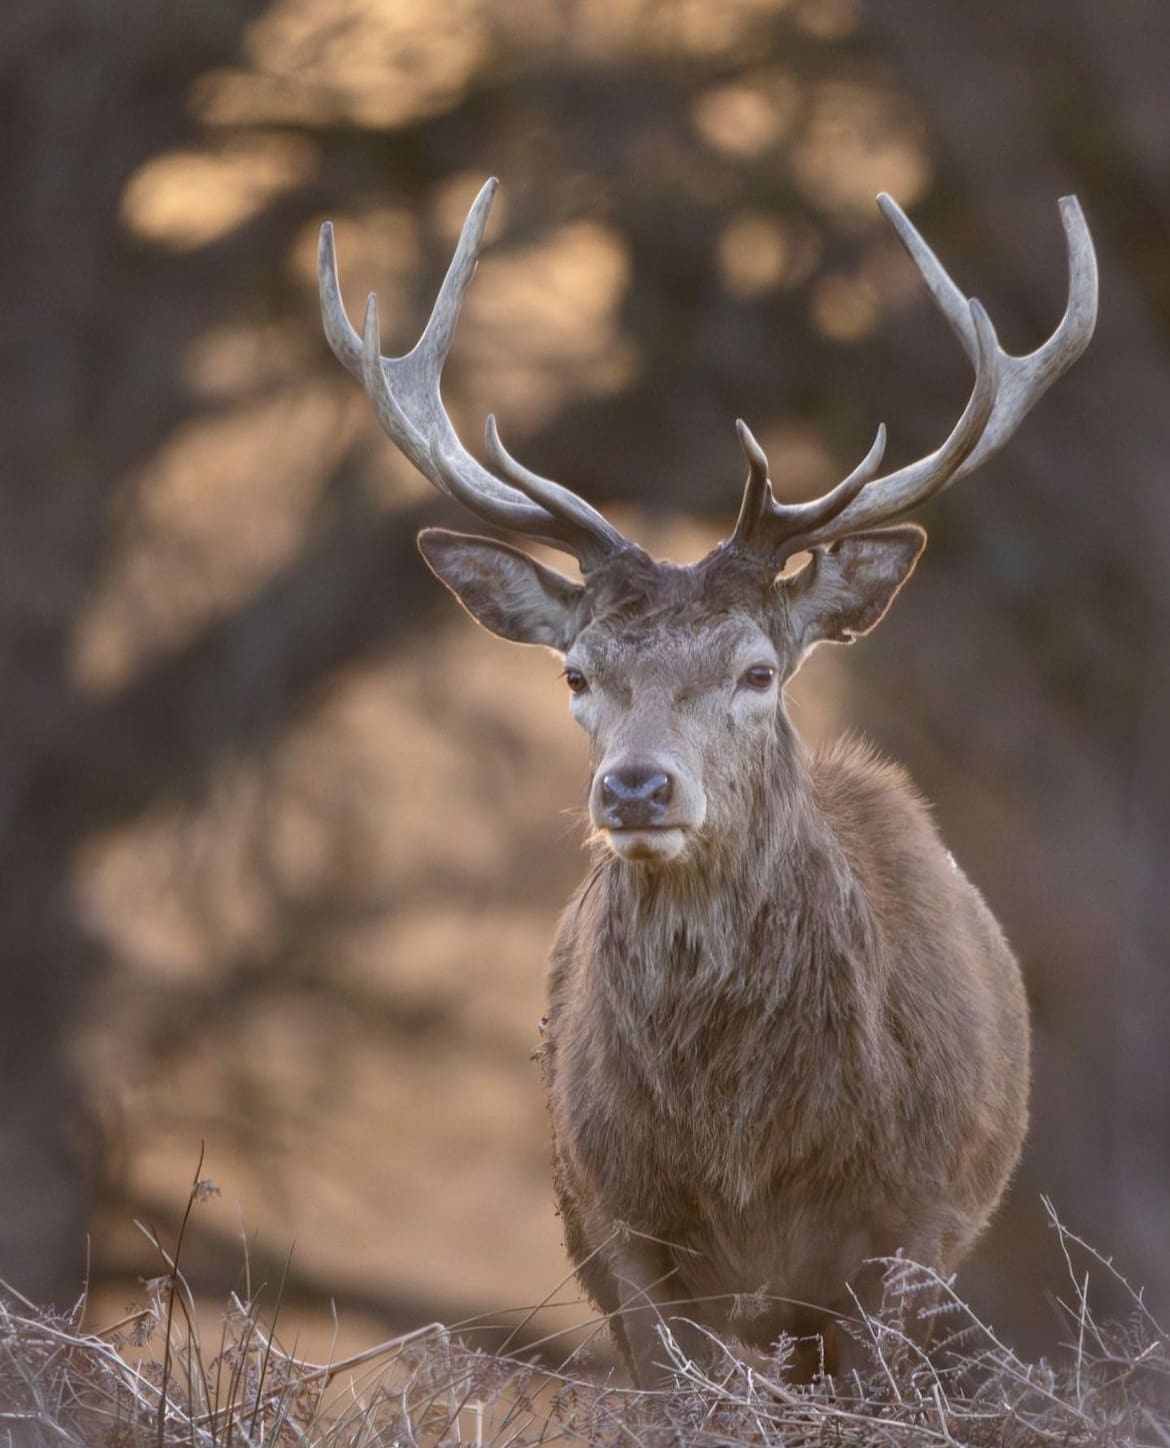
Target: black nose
{"points": [[635, 797]]}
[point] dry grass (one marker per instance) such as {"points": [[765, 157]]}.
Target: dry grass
{"points": [[151, 1380]]}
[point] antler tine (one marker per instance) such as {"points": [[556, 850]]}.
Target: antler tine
{"points": [[887, 498], [756, 489], [1024, 379], [406, 395], [344, 342], [866, 501], [441, 457], [785, 523], [558, 500], [514, 517]]}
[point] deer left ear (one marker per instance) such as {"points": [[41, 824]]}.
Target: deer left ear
{"points": [[846, 588]]}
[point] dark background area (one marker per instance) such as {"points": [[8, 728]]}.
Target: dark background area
{"points": [[282, 841]]}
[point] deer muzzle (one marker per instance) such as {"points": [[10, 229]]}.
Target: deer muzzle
{"points": [[644, 809], [635, 798]]}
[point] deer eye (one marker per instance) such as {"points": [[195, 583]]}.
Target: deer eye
{"points": [[576, 681], [759, 676]]}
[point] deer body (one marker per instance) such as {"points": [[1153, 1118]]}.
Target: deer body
{"points": [[788, 1079], [802, 1046], [785, 1034]]}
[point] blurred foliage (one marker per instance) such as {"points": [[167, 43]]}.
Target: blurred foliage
{"points": [[282, 839]]}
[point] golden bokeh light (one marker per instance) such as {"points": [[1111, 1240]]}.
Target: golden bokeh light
{"points": [[220, 508], [827, 20], [542, 326], [603, 28], [182, 200], [845, 308], [371, 65], [747, 118], [757, 252], [858, 139], [246, 357]]}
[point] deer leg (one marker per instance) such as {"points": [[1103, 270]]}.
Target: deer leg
{"points": [[808, 1335], [905, 1324], [651, 1301]]}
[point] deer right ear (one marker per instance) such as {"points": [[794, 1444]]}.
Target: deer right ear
{"points": [[509, 593]]}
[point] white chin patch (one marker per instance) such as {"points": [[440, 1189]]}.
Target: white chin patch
{"points": [[646, 846]]}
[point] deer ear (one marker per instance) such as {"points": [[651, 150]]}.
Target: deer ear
{"points": [[845, 589], [509, 593]]}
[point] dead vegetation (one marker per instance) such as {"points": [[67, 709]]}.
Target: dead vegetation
{"points": [[153, 1379]]}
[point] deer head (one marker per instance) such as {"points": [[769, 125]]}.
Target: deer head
{"points": [[677, 672]]}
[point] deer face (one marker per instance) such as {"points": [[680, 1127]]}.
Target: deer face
{"points": [[677, 673], [673, 710]]}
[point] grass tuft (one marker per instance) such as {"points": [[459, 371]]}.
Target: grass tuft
{"points": [[148, 1381]]}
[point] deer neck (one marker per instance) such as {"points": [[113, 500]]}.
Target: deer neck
{"points": [[766, 954], [768, 906]]}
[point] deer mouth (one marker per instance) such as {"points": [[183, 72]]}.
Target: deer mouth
{"points": [[646, 843]]}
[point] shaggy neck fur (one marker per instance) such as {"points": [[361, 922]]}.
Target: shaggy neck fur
{"points": [[748, 973]]}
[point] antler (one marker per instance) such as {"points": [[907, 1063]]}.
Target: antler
{"points": [[405, 392], [1006, 389]]}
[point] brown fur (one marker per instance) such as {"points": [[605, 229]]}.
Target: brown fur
{"points": [[799, 1042]]}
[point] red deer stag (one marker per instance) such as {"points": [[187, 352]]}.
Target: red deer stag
{"points": [[785, 1034]]}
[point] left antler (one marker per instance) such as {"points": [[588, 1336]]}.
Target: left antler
{"points": [[1005, 391]]}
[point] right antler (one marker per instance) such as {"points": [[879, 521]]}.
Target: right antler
{"points": [[1006, 389], [405, 393]]}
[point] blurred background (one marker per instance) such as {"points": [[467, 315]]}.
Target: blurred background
{"points": [[283, 836]]}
